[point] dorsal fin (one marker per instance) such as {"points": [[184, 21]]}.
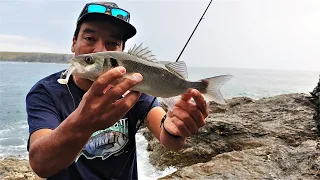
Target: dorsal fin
{"points": [[143, 53], [179, 67]]}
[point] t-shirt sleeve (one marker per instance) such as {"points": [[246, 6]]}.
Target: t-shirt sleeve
{"points": [[41, 110], [143, 105]]}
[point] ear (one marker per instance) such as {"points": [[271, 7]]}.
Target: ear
{"points": [[74, 40]]}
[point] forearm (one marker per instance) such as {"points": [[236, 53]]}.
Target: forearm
{"points": [[171, 142], [58, 149], [154, 123]]}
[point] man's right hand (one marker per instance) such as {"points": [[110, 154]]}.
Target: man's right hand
{"points": [[54, 150], [99, 109]]}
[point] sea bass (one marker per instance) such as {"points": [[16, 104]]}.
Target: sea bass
{"points": [[163, 79]]}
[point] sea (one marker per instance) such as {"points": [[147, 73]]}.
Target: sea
{"points": [[16, 79]]}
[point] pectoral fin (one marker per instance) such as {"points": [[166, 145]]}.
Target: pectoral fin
{"points": [[170, 102]]}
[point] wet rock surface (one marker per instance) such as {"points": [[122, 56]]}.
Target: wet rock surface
{"points": [[269, 138]]}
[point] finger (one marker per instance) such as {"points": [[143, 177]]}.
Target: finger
{"points": [[123, 105], [105, 79], [114, 93], [200, 102], [186, 97], [169, 113], [107, 89], [177, 127], [195, 113], [186, 118]]}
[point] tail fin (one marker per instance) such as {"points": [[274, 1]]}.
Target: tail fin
{"points": [[213, 89]]}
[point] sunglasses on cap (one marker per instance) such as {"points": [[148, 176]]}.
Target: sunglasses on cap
{"points": [[104, 9]]}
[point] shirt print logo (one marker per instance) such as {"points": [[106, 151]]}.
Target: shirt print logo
{"points": [[108, 142]]}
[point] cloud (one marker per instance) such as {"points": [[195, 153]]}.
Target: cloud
{"points": [[9, 37], [11, 42]]}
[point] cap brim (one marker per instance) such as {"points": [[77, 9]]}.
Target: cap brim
{"points": [[127, 29]]}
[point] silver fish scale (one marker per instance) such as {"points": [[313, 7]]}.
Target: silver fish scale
{"points": [[157, 80]]}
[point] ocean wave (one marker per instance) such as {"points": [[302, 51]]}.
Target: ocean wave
{"points": [[4, 131], [147, 170], [13, 151], [12, 141]]}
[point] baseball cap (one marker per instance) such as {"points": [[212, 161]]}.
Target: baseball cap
{"points": [[108, 11]]}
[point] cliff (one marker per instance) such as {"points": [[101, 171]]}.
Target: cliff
{"points": [[35, 57]]}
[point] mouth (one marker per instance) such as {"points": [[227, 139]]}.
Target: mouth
{"points": [[66, 75]]}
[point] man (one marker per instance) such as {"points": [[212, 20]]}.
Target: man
{"points": [[83, 131]]}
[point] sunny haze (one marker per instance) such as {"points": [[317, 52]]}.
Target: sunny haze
{"points": [[269, 34]]}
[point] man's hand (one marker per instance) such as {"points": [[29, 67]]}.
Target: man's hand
{"points": [[185, 118], [100, 107]]}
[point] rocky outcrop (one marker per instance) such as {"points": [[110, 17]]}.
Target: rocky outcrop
{"points": [[265, 162], [270, 138], [315, 99], [15, 169]]}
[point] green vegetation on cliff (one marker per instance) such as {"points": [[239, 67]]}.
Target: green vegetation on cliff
{"points": [[35, 57]]}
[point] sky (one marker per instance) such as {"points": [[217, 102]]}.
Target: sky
{"points": [[267, 34]]}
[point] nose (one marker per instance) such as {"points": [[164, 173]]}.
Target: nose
{"points": [[99, 47]]}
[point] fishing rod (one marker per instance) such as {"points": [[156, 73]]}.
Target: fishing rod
{"points": [[177, 59], [145, 115], [194, 31]]}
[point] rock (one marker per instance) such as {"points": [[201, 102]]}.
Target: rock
{"points": [[270, 138], [315, 100], [265, 162], [15, 169]]}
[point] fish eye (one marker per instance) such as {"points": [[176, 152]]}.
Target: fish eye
{"points": [[88, 60]]}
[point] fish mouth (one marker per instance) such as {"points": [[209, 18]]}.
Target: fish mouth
{"points": [[64, 79], [74, 67], [77, 68]]}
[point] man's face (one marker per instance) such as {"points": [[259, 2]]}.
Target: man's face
{"points": [[97, 36]]}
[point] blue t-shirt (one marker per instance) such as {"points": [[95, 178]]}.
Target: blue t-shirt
{"points": [[107, 152]]}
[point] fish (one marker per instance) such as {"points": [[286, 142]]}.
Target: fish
{"points": [[163, 79]]}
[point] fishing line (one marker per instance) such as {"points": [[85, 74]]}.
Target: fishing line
{"points": [[74, 104], [64, 76], [145, 115]]}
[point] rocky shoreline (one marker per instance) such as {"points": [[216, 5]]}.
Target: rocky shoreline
{"points": [[13, 168], [315, 100], [269, 138]]}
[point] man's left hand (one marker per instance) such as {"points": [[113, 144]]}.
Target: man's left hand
{"points": [[186, 117]]}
